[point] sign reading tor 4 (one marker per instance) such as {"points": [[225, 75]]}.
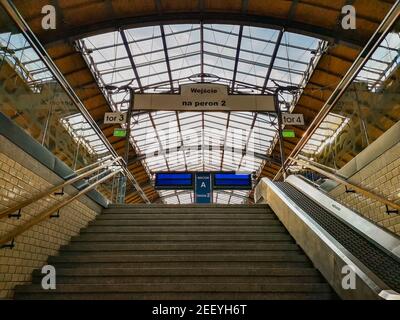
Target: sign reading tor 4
{"points": [[204, 97], [293, 119]]}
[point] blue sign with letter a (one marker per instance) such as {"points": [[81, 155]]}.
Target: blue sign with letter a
{"points": [[203, 192]]}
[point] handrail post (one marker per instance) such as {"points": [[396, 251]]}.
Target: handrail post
{"points": [[123, 179], [280, 134]]}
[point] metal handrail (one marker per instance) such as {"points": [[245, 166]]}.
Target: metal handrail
{"points": [[365, 192], [321, 166], [10, 236], [93, 164], [48, 192]]}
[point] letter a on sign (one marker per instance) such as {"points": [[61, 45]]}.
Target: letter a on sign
{"points": [[203, 185]]}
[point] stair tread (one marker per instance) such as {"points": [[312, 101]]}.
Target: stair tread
{"points": [[212, 296], [185, 271], [185, 287]]}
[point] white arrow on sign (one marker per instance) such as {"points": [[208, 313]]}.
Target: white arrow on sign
{"points": [[294, 119], [115, 117]]}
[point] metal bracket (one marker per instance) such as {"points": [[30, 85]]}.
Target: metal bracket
{"points": [[349, 190], [9, 246], [388, 211], [56, 215], [59, 193], [15, 215]]}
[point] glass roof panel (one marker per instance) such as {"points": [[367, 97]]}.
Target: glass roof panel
{"points": [[239, 57]]}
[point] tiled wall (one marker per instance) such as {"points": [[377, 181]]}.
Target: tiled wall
{"points": [[20, 177], [381, 176]]}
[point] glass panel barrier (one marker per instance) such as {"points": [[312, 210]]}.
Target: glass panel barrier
{"points": [[359, 139], [369, 107], [33, 99]]}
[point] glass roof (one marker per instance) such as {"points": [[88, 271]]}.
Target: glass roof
{"points": [[83, 133], [249, 60], [383, 62], [17, 51], [326, 133]]}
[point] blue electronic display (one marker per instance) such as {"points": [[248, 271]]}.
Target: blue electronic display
{"points": [[186, 181], [232, 181], [177, 181]]}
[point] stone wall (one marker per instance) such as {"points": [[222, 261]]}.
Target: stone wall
{"points": [[21, 176], [381, 176]]}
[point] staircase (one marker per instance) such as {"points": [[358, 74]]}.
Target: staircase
{"points": [[182, 252]]}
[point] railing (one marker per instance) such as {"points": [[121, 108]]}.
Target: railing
{"points": [[96, 167], [339, 179], [47, 213]]}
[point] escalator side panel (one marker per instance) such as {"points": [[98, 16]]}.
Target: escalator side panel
{"points": [[378, 261]]}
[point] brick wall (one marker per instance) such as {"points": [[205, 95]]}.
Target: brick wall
{"points": [[20, 177], [381, 176]]}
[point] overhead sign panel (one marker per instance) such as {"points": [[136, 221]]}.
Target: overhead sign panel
{"points": [[114, 117], [204, 97], [294, 119], [203, 191]]}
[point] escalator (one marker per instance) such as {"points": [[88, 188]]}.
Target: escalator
{"points": [[335, 237]]}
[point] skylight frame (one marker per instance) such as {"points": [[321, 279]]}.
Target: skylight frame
{"points": [[215, 57]]}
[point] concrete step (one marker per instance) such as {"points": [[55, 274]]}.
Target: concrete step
{"points": [[118, 247], [189, 210], [210, 296], [188, 264], [192, 206], [187, 222], [182, 257], [118, 279], [189, 205], [110, 237], [185, 229], [181, 271], [178, 216], [184, 287]]}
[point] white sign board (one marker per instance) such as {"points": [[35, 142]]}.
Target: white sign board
{"points": [[204, 97], [114, 117], [293, 119]]}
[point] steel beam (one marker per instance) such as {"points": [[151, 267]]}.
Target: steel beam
{"points": [[272, 62], [164, 41], [239, 44], [222, 148], [132, 62]]}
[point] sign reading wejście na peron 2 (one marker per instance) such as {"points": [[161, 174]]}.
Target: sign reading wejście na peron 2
{"points": [[204, 97]]}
